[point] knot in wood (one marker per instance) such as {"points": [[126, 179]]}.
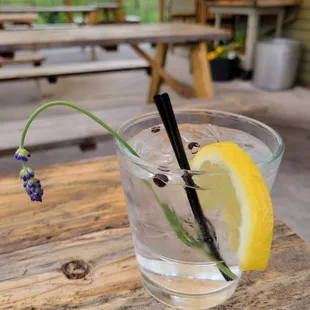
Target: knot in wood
{"points": [[76, 269]]}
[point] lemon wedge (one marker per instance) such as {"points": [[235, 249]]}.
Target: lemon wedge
{"points": [[235, 189]]}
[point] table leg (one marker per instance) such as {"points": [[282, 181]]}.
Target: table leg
{"points": [[251, 38], [202, 12], [279, 26], [159, 73], [156, 79], [93, 53], [161, 10], [218, 24], [201, 71], [93, 17], [120, 15]]}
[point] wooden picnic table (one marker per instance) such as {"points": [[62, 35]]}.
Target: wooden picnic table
{"points": [[160, 34], [75, 249]]}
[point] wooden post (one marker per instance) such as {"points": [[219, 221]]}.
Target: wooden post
{"points": [[201, 12], [280, 20], [156, 79], [218, 24], [201, 70], [93, 17], [120, 12], [69, 14], [161, 10], [251, 38]]}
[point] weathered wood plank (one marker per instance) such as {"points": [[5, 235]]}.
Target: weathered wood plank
{"points": [[66, 210], [72, 69], [57, 130], [18, 18], [110, 35], [82, 223], [23, 58]]}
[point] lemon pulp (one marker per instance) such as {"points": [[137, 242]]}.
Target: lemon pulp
{"points": [[235, 187]]}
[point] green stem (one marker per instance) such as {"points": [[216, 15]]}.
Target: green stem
{"points": [[87, 113], [171, 216]]}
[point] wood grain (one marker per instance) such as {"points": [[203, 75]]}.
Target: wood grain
{"points": [[110, 35], [72, 69], [83, 223]]}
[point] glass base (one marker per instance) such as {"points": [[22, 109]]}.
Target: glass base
{"points": [[188, 301]]}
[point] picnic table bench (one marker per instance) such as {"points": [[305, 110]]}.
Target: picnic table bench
{"points": [[161, 34], [52, 72], [56, 131], [75, 250], [34, 58]]}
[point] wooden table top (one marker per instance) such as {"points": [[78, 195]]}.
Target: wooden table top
{"points": [[83, 224], [110, 35]]}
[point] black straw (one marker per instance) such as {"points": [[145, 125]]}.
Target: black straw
{"points": [[165, 110]]}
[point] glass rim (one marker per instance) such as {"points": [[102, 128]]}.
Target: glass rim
{"points": [[147, 164]]}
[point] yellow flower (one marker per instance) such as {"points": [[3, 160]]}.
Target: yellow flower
{"points": [[211, 55], [219, 49]]}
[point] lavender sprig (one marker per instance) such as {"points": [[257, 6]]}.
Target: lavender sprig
{"points": [[35, 191], [22, 154]]}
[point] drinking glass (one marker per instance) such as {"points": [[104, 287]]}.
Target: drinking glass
{"points": [[174, 272]]}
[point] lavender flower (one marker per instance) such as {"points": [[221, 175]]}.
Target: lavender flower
{"points": [[26, 174], [34, 189], [32, 185], [22, 154]]}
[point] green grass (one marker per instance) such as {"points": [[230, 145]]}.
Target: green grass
{"points": [[147, 10]]}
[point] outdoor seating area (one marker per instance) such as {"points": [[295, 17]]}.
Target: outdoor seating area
{"points": [[163, 146]]}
